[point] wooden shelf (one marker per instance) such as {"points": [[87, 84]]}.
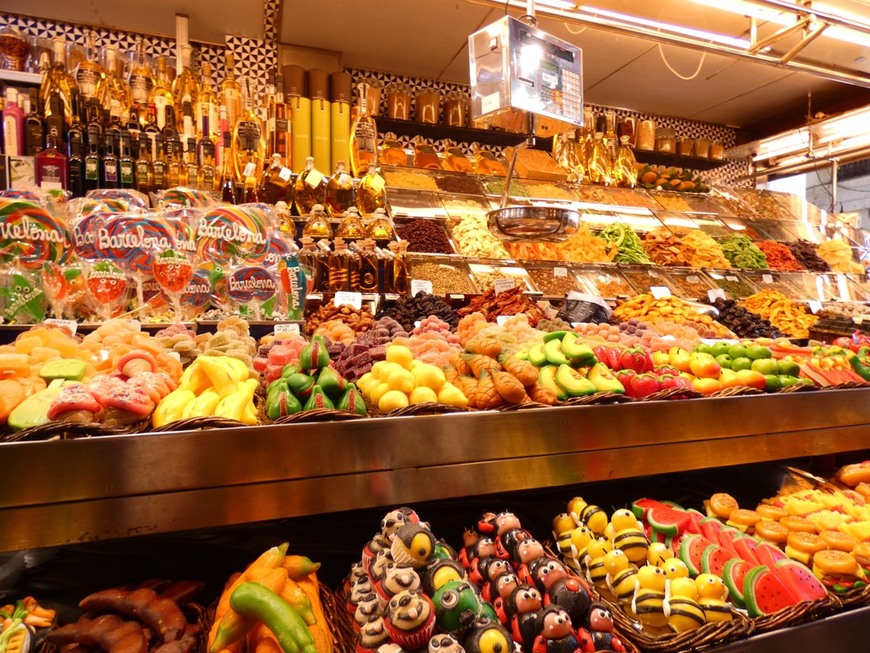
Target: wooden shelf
{"points": [[461, 134], [34, 79], [677, 160]]}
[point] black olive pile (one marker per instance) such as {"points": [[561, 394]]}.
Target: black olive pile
{"points": [[408, 310], [744, 323]]}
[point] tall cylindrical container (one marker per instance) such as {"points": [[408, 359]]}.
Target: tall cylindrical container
{"points": [[341, 93], [318, 91], [299, 109]]}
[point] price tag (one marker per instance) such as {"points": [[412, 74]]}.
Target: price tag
{"points": [[858, 319], [292, 329], [456, 297], [715, 293], [69, 325], [377, 183], [420, 285], [815, 306], [285, 174], [314, 178], [731, 277], [250, 169], [660, 292], [653, 274], [501, 285], [501, 319], [693, 278], [560, 272], [343, 298], [767, 278]]}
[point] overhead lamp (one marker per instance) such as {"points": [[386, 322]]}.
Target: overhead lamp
{"points": [[841, 138]]}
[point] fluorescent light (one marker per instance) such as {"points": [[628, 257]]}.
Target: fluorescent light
{"points": [[785, 17], [667, 27]]}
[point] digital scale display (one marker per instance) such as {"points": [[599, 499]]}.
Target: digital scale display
{"points": [[518, 67]]}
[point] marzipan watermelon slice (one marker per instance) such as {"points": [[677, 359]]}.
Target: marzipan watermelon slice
{"points": [[733, 575], [764, 592], [710, 527], [768, 554], [695, 517], [667, 519], [745, 547], [691, 549], [640, 507], [713, 559], [726, 539], [800, 580]]}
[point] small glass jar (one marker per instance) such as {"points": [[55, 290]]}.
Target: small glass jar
{"points": [[666, 140], [373, 95], [717, 150], [428, 106], [14, 50], [628, 127], [684, 146], [398, 102], [455, 109], [646, 135], [702, 148]]}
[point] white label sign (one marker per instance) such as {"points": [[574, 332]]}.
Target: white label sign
{"points": [[660, 292], [715, 293], [420, 285], [250, 170], [560, 272], [815, 306], [767, 278], [69, 325], [292, 329], [501, 319], [500, 285], [343, 298]]}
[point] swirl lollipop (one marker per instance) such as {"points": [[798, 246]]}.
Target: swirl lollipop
{"points": [[30, 235], [251, 286], [197, 293], [124, 200], [228, 232], [183, 196]]}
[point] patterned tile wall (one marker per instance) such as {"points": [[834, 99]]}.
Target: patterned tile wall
{"points": [[729, 173]]}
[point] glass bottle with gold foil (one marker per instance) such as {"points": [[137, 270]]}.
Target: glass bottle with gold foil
{"points": [[191, 163], [206, 106], [113, 92], [161, 93], [249, 144], [600, 167], [354, 262], [185, 87], [363, 136], [317, 225], [310, 188], [230, 92], [371, 196], [610, 137], [58, 80], [338, 267], [625, 167], [566, 151], [339, 191], [89, 72], [368, 267], [351, 226], [380, 227], [401, 274], [141, 79], [206, 178]]}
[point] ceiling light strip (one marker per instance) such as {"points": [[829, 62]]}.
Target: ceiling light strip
{"points": [[675, 35], [828, 17]]}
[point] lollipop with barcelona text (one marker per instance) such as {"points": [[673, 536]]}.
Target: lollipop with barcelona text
{"points": [[173, 270], [108, 287], [252, 288]]}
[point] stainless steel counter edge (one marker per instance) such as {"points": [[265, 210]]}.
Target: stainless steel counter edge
{"points": [[70, 491]]}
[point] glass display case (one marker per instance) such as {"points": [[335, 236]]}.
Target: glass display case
{"points": [[605, 282], [554, 280], [449, 275], [735, 285], [486, 275], [688, 283], [777, 281], [414, 204]]}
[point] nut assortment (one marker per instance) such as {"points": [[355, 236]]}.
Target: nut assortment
{"points": [[358, 320], [548, 283], [445, 278]]}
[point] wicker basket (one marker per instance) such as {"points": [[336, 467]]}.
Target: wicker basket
{"points": [[195, 423], [672, 393], [427, 408], [798, 387], [740, 391], [340, 621], [597, 398], [72, 431], [317, 415]]}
